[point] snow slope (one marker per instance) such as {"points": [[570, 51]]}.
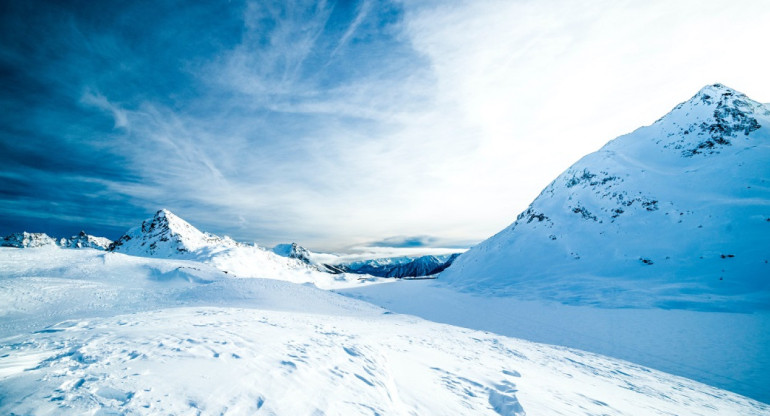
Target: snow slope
{"points": [[722, 349], [92, 332], [42, 286], [673, 215]]}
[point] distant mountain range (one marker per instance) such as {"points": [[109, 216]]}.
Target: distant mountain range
{"points": [[402, 267], [398, 267], [165, 235], [82, 240]]}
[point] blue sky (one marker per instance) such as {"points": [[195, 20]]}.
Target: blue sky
{"points": [[336, 124]]}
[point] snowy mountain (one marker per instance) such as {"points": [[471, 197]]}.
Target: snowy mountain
{"points": [[673, 215], [25, 239], [84, 240], [400, 266], [93, 332], [166, 235]]}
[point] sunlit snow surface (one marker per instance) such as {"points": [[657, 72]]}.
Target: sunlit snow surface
{"points": [[89, 332], [727, 350]]}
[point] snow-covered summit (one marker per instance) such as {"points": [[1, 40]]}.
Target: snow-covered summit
{"points": [[673, 215], [166, 235], [25, 239], [83, 240], [716, 117]]}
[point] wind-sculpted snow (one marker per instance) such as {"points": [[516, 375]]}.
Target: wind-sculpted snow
{"points": [[673, 215], [41, 286], [213, 360]]}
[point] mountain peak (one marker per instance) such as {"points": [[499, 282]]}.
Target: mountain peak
{"points": [[717, 89], [709, 122], [719, 95], [165, 219], [165, 235], [163, 212]]}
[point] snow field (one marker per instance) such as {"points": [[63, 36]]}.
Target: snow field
{"points": [[213, 360]]}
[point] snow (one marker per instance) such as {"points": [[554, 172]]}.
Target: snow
{"points": [[87, 331], [92, 332], [727, 350], [42, 286]]}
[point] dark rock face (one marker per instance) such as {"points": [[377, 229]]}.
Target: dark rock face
{"points": [[730, 116]]}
